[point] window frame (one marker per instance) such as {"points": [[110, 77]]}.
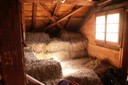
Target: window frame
{"points": [[109, 44]]}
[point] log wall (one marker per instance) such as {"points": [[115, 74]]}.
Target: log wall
{"points": [[97, 51]]}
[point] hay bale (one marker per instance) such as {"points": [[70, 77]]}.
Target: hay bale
{"points": [[57, 45], [85, 77], [29, 57], [61, 55], [40, 42], [37, 47], [37, 37], [70, 35], [44, 70], [78, 45]]}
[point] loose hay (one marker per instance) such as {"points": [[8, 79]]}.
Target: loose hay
{"points": [[85, 77], [76, 70], [44, 70]]}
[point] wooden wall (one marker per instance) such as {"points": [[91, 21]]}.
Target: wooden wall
{"points": [[97, 51], [88, 30]]}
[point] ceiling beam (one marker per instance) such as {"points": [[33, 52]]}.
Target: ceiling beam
{"points": [[63, 18], [68, 21], [46, 10], [104, 3], [34, 11], [57, 7], [78, 2]]}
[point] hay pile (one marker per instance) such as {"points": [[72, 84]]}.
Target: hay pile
{"points": [[68, 46], [82, 71], [80, 64], [70, 49], [44, 70], [85, 77], [70, 35]]}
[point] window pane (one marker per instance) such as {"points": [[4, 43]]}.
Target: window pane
{"points": [[100, 36], [113, 18], [100, 20], [100, 28], [113, 37], [112, 27]]}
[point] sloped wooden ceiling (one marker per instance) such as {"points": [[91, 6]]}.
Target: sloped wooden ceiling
{"points": [[41, 15]]}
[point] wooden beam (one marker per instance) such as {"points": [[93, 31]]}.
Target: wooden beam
{"points": [[104, 3], [125, 45], [63, 18], [78, 2], [23, 22], [115, 6], [11, 49], [34, 11], [44, 8], [33, 80], [57, 7], [67, 23]]}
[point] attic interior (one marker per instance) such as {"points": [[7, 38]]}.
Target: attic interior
{"points": [[52, 42]]}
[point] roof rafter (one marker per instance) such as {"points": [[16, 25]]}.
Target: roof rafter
{"points": [[63, 18], [46, 10], [78, 2]]}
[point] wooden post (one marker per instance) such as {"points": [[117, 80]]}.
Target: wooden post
{"points": [[125, 45], [11, 49], [23, 23]]}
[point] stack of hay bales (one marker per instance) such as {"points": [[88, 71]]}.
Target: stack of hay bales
{"points": [[68, 46], [70, 49]]}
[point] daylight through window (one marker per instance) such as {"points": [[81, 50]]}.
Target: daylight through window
{"points": [[108, 29]]}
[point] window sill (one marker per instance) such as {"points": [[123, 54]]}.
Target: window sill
{"points": [[117, 48]]}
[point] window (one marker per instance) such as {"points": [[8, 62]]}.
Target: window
{"points": [[107, 29]]}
